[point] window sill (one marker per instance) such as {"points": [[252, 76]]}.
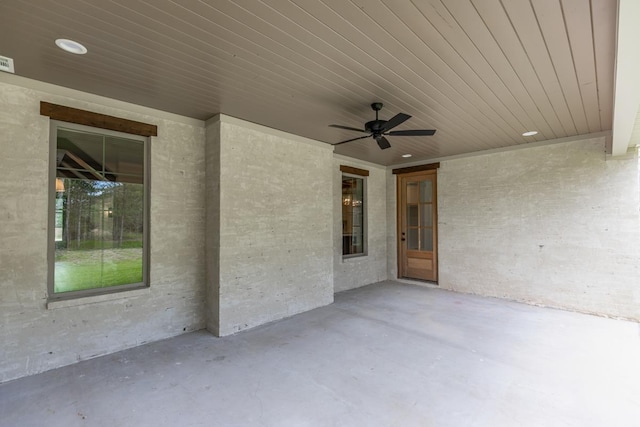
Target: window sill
{"points": [[94, 299], [346, 258]]}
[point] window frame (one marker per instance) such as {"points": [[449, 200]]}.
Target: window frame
{"points": [[51, 244], [365, 234]]}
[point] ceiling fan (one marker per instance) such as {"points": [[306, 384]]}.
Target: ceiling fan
{"points": [[378, 129]]}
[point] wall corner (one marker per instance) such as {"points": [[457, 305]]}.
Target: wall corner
{"points": [[212, 227]]}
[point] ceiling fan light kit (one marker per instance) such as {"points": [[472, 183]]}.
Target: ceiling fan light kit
{"points": [[378, 129]]}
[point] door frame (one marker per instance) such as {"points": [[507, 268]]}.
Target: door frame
{"points": [[429, 169]]}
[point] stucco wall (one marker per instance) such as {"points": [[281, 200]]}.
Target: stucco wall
{"points": [[276, 225], [349, 273], [34, 338], [556, 225]]}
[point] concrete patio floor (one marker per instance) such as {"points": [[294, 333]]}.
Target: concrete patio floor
{"points": [[388, 354]]}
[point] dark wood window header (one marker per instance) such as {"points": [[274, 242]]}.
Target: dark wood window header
{"points": [[420, 168], [354, 171], [102, 121]]}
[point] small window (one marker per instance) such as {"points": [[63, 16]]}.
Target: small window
{"points": [[99, 204], [353, 216]]}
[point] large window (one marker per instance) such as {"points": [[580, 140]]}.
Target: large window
{"points": [[98, 211], [353, 216]]}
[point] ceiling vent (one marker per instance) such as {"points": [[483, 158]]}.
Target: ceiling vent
{"points": [[6, 64]]}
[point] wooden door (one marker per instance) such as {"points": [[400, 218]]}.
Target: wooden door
{"points": [[417, 220]]}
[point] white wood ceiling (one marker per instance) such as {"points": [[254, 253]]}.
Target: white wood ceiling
{"points": [[481, 72]]}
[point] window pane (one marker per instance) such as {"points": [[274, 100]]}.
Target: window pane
{"points": [[412, 215], [125, 159], [79, 154], [353, 241], [426, 215], [426, 191], [412, 193], [99, 211], [123, 219], [426, 239], [412, 238]]}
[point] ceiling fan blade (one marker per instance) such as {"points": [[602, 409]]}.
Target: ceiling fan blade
{"points": [[347, 128], [414, 132], [395, 121], [352, 139], [383, 143]]}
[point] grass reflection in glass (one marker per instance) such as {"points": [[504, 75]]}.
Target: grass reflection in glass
{"points": [[77, 270]]}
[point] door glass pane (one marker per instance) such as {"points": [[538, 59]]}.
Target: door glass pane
{"points": [[426, 191], [412, 193], [412, 215], [426, 215], [412, 239], [426, 239]]}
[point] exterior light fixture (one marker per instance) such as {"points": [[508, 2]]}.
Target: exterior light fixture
{"points": [[530, 133], [406, 155]]}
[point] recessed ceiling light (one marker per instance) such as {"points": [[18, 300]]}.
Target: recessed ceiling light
{"points": [[530, 133], [71, 46], [406, 155]]}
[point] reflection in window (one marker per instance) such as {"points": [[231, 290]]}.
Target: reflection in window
{"points": [[99, 211], [353, 229]]}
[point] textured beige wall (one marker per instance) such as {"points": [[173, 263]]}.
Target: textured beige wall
{"points": [[556, 225], [34, 338], [276, 225], [354, 272]]}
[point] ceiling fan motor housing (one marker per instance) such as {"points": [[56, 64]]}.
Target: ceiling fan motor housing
{"points": [[375, 126]]}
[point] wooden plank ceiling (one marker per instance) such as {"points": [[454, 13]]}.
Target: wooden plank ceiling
{"points": [[481, 72]]}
